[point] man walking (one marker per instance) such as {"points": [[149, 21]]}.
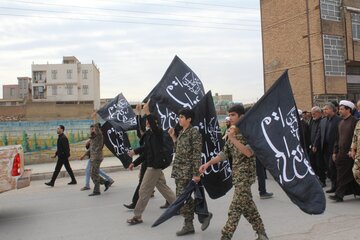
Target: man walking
{"points": [[95, 152], [345, 182], [187, 160], [243, 177], [63, 154]]}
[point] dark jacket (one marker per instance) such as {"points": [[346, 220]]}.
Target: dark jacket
{"points": [[314, 129], [63, 148], [151, 144], [327, 134]]}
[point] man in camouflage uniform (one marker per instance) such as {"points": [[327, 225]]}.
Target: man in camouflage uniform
{"points": [[187, 160], [355, 154], [244, 174], [96, 156]]}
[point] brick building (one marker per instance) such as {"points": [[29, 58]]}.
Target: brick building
{"points": [[319, 42]]}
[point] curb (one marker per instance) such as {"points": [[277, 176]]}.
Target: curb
{"points": [[77, 172]]}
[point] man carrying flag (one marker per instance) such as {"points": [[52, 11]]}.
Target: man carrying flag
{"points": [[243, 177]]}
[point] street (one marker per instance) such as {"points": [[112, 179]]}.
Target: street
{"points": [[64, 212]]}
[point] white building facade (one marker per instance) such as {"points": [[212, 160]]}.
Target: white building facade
{"points": [[69, 82]]}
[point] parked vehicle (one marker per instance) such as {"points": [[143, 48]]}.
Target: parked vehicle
{"points": [[13, 175]]}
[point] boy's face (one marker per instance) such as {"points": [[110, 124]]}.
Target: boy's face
{"points": [[183, 121], [234, 118]]}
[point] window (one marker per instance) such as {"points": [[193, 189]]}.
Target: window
{"points": [[69, 89], [330, 9], [84, 74], [12, 92], [69, 74], [85, 90], [54, 90], [53, 74], [356, 26], [334, 55]]}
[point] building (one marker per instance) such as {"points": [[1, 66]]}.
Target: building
{"points": [[318, 41], [68, 83], [10, 92]]}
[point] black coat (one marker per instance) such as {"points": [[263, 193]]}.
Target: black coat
{"points": [[327, 134], [151, 143], [63, 148]]}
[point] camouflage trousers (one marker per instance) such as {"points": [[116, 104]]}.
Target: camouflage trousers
{"points": [[242, 204], [188, 210], [94, 173]]}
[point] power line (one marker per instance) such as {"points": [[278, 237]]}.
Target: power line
{"points": [[134, 17], [128, 22], [212, 4], [122, 10]]}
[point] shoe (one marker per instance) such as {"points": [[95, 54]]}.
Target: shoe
{"points": [[266, 195], [50, 184], [187, 229], [206, 222], [262, 237], [94, 194], [111, 183], [107, 185], [331, 190], [84, 188], [153, 194], [129, 206], [336, 198], [166, 205], [72, 183]]}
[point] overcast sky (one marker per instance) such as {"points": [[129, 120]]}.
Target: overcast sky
{"points": [[133, 42]]}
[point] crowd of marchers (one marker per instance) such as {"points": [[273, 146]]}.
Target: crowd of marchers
{"points": [[330, 137]]}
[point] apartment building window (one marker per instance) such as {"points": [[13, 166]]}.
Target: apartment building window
{"points": [[53, 74], [85, 89], [39, 76], [69, 89], [54, 90], [334, 55], [12, 92], [84, 74], [330, 9], [356, 26], [69, 74]]}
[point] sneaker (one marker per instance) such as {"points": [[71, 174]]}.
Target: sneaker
{"points": [[266, 195], [206, 222], [262, 237], [84, 188], [187, 229]]}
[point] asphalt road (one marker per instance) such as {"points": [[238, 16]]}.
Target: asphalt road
{"points": [[64, 212]]}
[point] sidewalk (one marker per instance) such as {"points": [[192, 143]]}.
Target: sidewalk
{"points": [[44, 171]]}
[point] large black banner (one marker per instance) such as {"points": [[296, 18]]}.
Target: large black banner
{"points": [[217, 179], [178, 88], [119, 113], [117, 142], [271, 127]]}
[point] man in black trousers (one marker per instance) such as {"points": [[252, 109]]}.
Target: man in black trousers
{"points": [[63, 154]]}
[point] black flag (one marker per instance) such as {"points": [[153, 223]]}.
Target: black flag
{"points": [[271, 127], [217, 181], [119, 113], [117, 142], [178, 88]]}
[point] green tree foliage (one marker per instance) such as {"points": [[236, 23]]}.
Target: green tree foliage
{"points": [[5, 139], [25, 142], [36, 146]]}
